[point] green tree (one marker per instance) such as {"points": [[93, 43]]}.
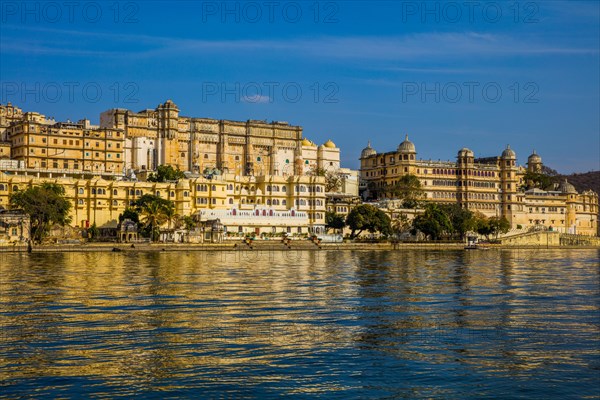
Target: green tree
{"points": [[461, 219], [366, 217], [333, 179], [153, 217], [189, 222], [93, 231], [334, 221], [154, 212], [170, 213], [46, 205], [492, 226], [434, 222], [400, 224], [165, 173], [409, 190], [538, 180], [130, 213]]}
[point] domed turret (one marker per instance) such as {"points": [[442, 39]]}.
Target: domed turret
{"points": [[367, 151], [407, 146], [306, 142], [464, 152], [566, 187], [534, 158], [508, 152], [534, 163], [329, 144]]}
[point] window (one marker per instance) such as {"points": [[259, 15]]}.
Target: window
{"points": [[115, 192]]}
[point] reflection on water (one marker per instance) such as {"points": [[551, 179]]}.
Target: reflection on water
{"points": [[331, 323]]}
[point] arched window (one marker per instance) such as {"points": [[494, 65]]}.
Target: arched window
{"points": [[2, 187], [138, 192], [213, 187], [234, 212], [93, 190], [230, 201], [115, 192], [283, 202], [186, 194], [80, 191], [284, 189], [205, 156]]}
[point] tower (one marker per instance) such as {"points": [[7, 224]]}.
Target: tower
{"points": [[508, 184], [167, 141]]}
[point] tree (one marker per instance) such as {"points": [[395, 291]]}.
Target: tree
{"points": [[409, 190], [189, 222], [165, 173], [433, 222], [46, 205], [492, 225], [170, 213], [334, 221], [333, 179], [369, 218], [538, 180], [131, 214], [461, 219], [93, 231], [400, 224], [154, 211], [153, 216]]}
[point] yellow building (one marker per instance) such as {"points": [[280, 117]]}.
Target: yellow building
{"points": [[248, 204], [139, 141], [163, 137], [44, 144], [490, 185]]}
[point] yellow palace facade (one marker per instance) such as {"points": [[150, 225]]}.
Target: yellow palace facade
{"points": [[244, 204], [491, 186]]}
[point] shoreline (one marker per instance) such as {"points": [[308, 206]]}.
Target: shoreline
{"points": [[261, 246]]}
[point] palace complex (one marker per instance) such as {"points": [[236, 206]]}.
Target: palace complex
{"points": [[254, 176], [493, 186], [257, 177]]}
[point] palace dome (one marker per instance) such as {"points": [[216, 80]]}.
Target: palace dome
{"points": [[566, 187], [329, 144], [465, 152], [367, 151], [306, 142], [508, 152], [407, 146], [534, 158]]}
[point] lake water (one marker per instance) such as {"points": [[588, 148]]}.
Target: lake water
{"points": [[263, 324]]}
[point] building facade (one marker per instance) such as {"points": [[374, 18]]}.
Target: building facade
{"points": [[244, 204], [137, 141], [491, 186]]}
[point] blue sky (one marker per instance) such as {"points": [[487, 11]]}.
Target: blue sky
{"points": [[449, 74]]}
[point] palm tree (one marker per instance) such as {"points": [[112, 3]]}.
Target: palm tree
{"points": [[170, 213], [153, 216]]}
